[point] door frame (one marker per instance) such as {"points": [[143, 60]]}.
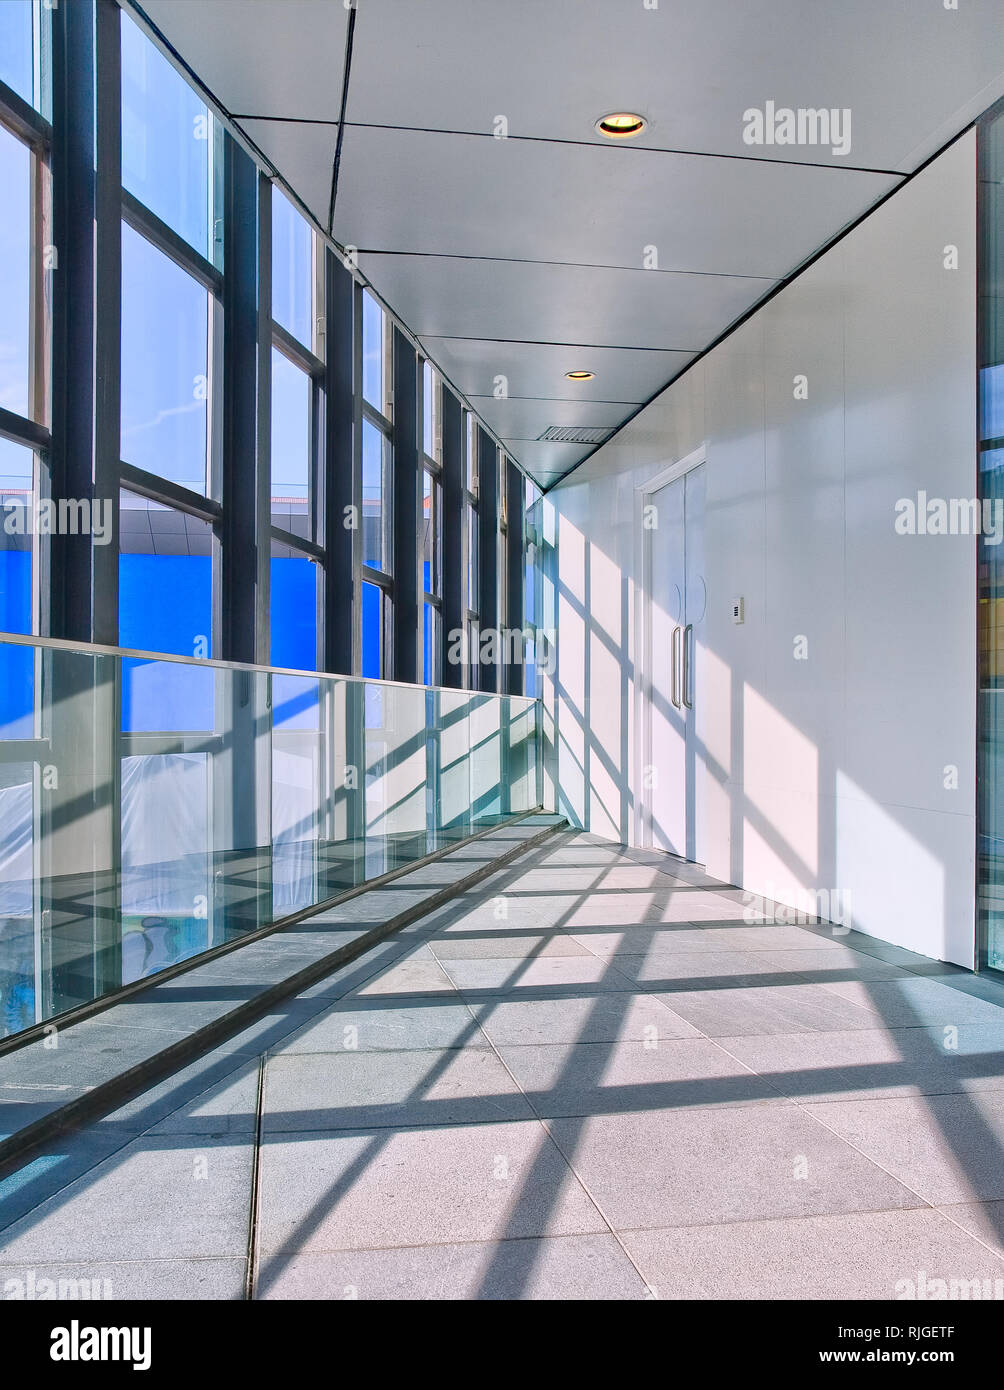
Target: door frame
{"points": [[642, 742]]}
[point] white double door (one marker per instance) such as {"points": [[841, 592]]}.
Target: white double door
{"points": [[677, 610]]}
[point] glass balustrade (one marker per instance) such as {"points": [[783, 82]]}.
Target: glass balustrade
{"points": [[153, 808]]}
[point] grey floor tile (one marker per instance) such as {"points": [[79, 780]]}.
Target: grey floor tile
{"points": [[780, 1008], [416, 1187], [873, 1255], [915, 1001], [984, 1220], [554, 1267], [641, 941], [692, 1167], [554, 975], [146, 1279], [604, 1078], [946, 1148], [171, 1197], [405, 977], [692, 970], [502, 945], [873, 1063], [601, 1018], [832, 963], [712, 937], [422, 1024], [363, 1090]]}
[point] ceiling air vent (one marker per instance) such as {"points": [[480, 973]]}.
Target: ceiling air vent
{"points": [[576, 434]]}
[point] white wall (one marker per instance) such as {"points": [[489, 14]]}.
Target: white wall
{"points": [[828, 772]]}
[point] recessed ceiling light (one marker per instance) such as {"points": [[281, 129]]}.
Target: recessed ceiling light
{"points": [[580, 376], [621, 125]]}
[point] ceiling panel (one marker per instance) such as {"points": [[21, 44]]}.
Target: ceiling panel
{"points": [[909, 71], [559, 303], [303, 153], [521, 258], [538, 369], [591, 205], [546, 462], [527, 420], [261, 57]]}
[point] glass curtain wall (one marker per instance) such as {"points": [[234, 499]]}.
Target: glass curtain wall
{"points": [[990, 719], [27, 266], [224, 796]]}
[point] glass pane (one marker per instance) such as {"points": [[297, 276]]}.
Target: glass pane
{"points": [[376, 498], [292, 270], [297, 764], [17, 497], [167, 140], [430, 412], [15, 273], [18, 985], [165, 579], [16, 53], [430, 533], [474, 654], [376, 384], [291, 406], [990, 562], [430, 644], [165, 867], [372, 616], [473, 541], [472, 454], [294, 788], [165, 365], [293, 609]]}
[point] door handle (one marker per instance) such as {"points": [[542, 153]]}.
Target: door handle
{"points": [[675, 671], [688, 632]]}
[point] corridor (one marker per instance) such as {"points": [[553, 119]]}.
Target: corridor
{"points": [[590, 1079]]}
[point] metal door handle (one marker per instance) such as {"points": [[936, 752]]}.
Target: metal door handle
{"points": [[688, 632], [674, 673]]}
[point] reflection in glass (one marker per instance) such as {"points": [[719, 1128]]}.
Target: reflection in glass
{"points": [[430, 644], [376, 498], [165, 867], [373, 630], [376, 383], [16, 53], [15, 274], [18, 992], [166, 140], [165, 605], [430, 409], [292, 270], [17, 525], [293, 608], [292, 789], [165, 374], [990, 561], [297, 763], [291, 405]]}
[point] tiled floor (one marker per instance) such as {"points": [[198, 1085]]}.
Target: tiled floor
{"points": [[590, 1079]]}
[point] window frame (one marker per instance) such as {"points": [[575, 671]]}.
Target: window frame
{"points": [[26, 123], [384, 425], [209, 273]]}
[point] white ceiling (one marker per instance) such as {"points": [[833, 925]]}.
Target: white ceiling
{"points": [[521, 258]]}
